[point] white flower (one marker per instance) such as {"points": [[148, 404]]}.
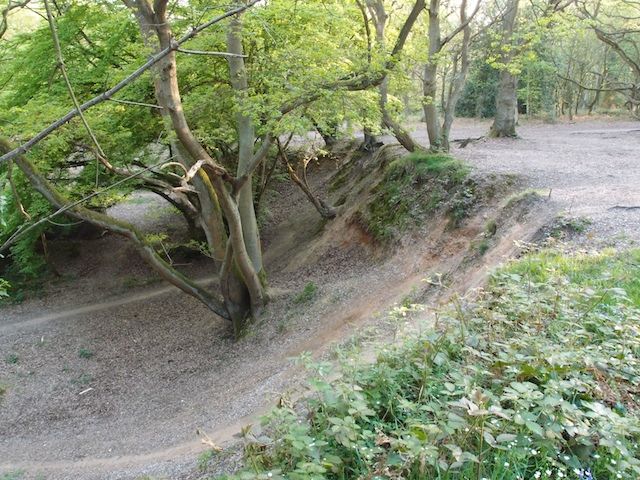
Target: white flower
{"points": [[613, 462], [537, 475], [506, 464]]}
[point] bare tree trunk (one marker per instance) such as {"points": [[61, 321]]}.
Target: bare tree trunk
{"points": [[380, 17], [246, 139], [429, 82], [504, 123], [460, 77], [599, 82]]}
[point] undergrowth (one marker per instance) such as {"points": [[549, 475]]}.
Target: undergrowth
{"points": [[412, 186], [536, 378]]}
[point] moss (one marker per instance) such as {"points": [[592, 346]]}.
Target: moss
{"points": [[412, 187], [524, 197], [423, 166]]}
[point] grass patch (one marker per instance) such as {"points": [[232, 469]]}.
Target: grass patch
{"points": [[12, 358], [85, 353], [82, 379], [14, 475], [535, 379], [527, 196], [412, 187], [564, 225], [204, 459], [307, 294], [483, 246], [605, 271]]}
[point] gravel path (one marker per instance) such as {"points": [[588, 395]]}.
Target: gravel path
{"points": [[592, 169]]}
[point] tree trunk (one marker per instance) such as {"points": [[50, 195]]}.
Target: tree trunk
{"points": [[238, 303], [246, 140], [504, 123], [429, 83], [460, 77]]}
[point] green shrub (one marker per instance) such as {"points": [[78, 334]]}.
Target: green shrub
{"points": [[535, 379]]}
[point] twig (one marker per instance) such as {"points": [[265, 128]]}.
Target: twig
{"points": [[625, 207], [205, 52], [141, 104]]}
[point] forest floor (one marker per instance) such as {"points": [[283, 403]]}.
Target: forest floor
{"points": [[108, 373]]}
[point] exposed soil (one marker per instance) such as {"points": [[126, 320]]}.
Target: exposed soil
{"points": [[110, 374]]}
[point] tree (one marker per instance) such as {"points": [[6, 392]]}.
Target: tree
{"points": [[615, 25], [439, 135], [504, 123], [263, 106]]}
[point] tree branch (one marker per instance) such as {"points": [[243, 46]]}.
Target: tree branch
{"points": [[462, 26], [205, 52], [49, 192], [154, 59], [4, 25]]}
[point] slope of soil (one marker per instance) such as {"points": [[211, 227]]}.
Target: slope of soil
{"points": [[115, 374]]}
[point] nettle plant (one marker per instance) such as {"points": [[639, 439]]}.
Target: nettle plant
{"points": [[537, 378]]}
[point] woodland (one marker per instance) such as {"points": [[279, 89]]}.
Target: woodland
{"points": [[213, 106], [89, 85]]}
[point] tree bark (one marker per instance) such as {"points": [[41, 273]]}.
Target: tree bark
{"points": [[504, 123], [246, 140], [429, 82], [168, 93], [380, 17]]}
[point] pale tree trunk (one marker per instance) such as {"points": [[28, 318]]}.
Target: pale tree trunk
{"points": [[379, 15], [459, 79], [429, 82], [210, 215], [246, 140], [504, 123]]}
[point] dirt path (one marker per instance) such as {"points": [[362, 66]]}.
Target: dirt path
{"points": [[115, 385], [592, 169]]}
